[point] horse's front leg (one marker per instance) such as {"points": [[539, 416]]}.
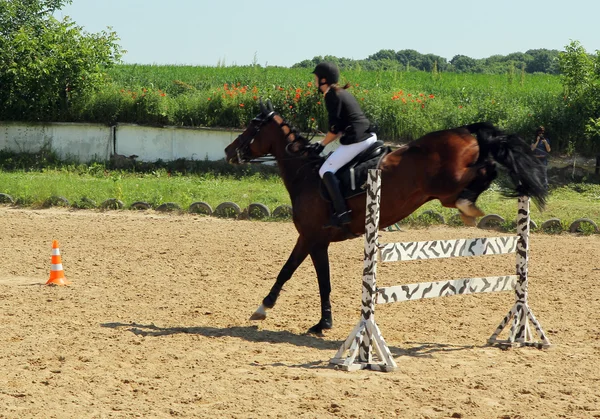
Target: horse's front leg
{"points": [[296, 258], [320, 258]]}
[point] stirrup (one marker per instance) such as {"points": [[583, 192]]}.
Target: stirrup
{"points": [[338, 221]]}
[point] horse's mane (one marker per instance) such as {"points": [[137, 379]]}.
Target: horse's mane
{"points": [[311, 161]]}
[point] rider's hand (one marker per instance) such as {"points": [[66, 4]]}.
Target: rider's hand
{"points": [[315, 148]]}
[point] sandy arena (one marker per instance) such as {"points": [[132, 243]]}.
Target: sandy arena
{"points": [[155, 325]]}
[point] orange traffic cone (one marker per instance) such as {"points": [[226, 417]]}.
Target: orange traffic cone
{"points": [[57, 275]]}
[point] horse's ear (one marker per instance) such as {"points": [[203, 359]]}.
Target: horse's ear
{"points": [[270, 105], [263, 109]]}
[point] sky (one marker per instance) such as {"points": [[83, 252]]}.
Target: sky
{"points": [[282, 33]]}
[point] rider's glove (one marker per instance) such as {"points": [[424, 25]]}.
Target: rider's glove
{"points": [[315, 148]]}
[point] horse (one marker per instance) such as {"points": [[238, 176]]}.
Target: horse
{"points": [[449, 165]]}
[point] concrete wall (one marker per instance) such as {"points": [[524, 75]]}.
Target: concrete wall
{"points": [[83, 142], [171, 143], [86, 142]]}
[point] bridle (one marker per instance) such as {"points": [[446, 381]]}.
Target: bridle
{"points": [[246, 138]]}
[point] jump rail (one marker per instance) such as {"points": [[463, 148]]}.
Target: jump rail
{"points": [[365, 347]]}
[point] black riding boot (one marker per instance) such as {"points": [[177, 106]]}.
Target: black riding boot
{"points": [[342, 214]]}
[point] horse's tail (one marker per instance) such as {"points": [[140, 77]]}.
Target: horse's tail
{"points": [[525, 170]]}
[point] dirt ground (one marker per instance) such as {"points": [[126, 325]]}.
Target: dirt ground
{"points": [[155, 324]]}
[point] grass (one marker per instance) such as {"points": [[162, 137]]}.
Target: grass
{"points": [[33, 189], [78, 184]]}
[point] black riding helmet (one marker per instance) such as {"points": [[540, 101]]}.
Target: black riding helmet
{"points": [[327, 71]]}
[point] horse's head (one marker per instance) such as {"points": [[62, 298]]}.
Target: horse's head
{"points": [[259, 138], [252, 143]]}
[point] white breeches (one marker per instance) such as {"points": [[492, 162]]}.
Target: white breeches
{"points": [[344, 153]]}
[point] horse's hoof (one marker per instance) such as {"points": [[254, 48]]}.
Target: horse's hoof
{"points": [[468, 208], [315, 330], [259, 314], [318, 328], [468, 221]]}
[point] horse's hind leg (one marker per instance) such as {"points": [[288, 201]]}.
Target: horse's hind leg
{"points": [[296, 258]]}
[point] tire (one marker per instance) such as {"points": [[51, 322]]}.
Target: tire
{"points": [[85, 203], [282, 212], [201, 208], [56, 201], [491, 222], [258, 211], [112, 203], [6, 199], [140, 205], [553, 225], [228, 210], [574, 227], [168, 207]]}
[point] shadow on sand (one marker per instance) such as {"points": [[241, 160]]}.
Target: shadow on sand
{"points": [[254, 334]]}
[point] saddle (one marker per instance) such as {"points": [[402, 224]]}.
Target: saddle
{"points": [[353, 175]]}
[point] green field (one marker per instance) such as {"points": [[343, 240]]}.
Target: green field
{"points": [[405, 105]]}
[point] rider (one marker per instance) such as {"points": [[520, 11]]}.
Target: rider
{"points": [[346, 122]]}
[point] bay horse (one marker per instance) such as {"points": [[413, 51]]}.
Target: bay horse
{"points": [[445, 165]]}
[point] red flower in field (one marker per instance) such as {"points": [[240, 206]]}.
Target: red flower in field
{"points": [[163, 94], [208, 99], [309, 84], [431, 96], [459, 106], [403, 100], [362, 98], [291, 107], [254, 97], [423, 106], [395, 98], [226, 86], [298, 91], [319, 102], [241, 105], [418, 100], [312, 119], [409, 95]]}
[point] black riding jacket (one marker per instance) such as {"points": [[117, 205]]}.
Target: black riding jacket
{"points": [[346, 116]]}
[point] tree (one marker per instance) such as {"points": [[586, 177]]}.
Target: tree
{"points": [[45, 63], [463, 64], [409, 58], [543, 61], [581, 84]]}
